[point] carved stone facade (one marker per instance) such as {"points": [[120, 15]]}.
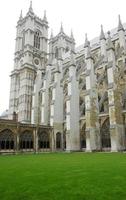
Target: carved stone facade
{"points": [[79, 92]]}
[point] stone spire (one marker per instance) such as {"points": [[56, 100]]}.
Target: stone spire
{"points": [[102, 35], [87, 48], [72, 37], [30, 8], [103, 45], [45, 18], [120, 26], [20, 18], [121, 33], [86, 44], [51, 36], [30, 11], [109, 42], [61, 28]]}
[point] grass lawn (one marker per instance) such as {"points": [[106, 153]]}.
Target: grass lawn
{"points": [[62, 176]]}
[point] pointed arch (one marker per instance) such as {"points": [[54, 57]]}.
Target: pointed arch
{"points": [[58, 140], [56, 52], [7, 140], [83, 137], [37, 39], [43, 140], [26, 140], [105, 134]]}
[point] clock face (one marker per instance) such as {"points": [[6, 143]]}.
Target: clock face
{"points": [[36, 61]]}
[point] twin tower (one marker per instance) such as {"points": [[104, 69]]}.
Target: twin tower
{"points": [[46, 85]]}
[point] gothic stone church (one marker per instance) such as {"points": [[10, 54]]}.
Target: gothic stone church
{"points": [[64, 98]]}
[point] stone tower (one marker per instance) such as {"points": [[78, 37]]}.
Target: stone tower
{"points": [[30, 56], [60, 45], [52, 90]]}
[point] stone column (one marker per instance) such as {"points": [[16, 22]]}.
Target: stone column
{"points": [[45, 98], [17, 142], [91, 102], [52, 139], [115, 110], [35, 140], [12, 100], [32, 109], [103, 44], [57, 102], [72, 109], [25, 96], [36, 98], [121, 32]]}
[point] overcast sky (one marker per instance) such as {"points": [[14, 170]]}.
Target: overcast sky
{"points": [[83, 16]]}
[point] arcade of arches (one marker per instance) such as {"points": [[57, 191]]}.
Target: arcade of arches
{"points": [[105, 135], [17, 137]]}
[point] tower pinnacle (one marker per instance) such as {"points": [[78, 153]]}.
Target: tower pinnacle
{"points": [[102, 35], [120, 26], [45, 18], [51, 36], [61, 28], [86, 44], [20, 18], [72, 37], [30, 8]]}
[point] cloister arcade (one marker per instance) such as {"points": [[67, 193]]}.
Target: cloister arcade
{"points": [[17, 137]]}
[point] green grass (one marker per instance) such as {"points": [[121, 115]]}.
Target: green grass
{"points": [[60, 176]]}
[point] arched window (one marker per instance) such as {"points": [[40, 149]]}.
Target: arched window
{"points": [[103, 102], [23, 39], [58, 140], [37, 40], [124, 99], [67, 49], [64, 139], [83, 137], [26, 140], [82, 106], [43, 140], [105, 134], [56, 52], [6, 140]]}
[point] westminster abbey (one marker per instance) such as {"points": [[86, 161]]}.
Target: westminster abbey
{"points": [[62, 97]]}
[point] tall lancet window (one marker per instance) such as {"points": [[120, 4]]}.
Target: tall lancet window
{"points": [[56, 52], [37, 40], [23, 39]]}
